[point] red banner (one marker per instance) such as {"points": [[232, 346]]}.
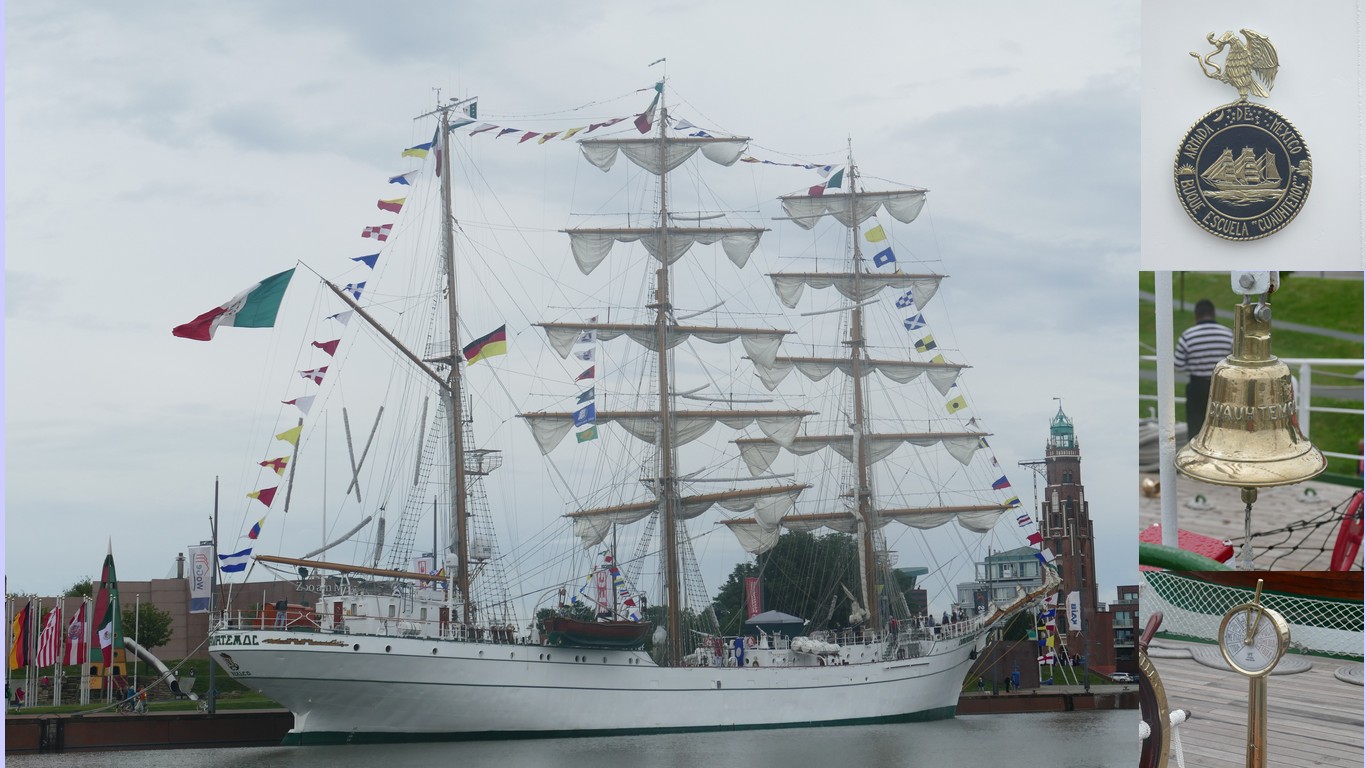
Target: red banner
{"points": [[754, 599]]}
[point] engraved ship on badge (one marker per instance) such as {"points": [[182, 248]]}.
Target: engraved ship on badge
{"points": [[382, 659], [1245, 179]]}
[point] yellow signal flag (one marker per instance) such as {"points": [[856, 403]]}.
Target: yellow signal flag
{"points": [[955, 405], [291, 435], [939, 359], [925, 344], [876, 234]]}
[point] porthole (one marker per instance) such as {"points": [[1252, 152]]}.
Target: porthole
{"points": [[481, 654], [356, 647], [512, 655], [433, 651], [388, 648]]}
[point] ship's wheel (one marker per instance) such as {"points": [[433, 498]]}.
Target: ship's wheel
{"points": [[1158, 727], [1348, 542]]}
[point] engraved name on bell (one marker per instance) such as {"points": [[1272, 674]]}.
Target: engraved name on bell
{"points": [[1227, 414]]}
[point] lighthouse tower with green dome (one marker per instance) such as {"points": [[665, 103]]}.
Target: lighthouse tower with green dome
{"points": [[1065, 522]]}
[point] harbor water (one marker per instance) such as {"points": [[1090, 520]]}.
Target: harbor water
{"points": [[1100, 739]]}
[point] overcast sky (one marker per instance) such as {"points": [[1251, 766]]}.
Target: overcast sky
{"points": [[161, 158]]}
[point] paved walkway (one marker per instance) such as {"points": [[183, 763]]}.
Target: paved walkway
{"points": [[1276, 323]]}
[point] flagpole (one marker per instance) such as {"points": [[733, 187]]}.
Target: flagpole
{"points": [[213, 589], [88, 609], [57, 666], [137, 636], [31, 695]]}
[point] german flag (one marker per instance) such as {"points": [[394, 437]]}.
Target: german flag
{"points": [[493, 344], [19, 631]]}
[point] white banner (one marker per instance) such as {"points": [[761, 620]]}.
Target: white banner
{"points": [[1074, 612], [425, 565], [201, 570]]}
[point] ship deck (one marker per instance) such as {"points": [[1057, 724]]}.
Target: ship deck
{"points": [[1313, 718], [1275, 508]]}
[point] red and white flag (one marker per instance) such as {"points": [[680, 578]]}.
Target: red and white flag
{"points": [[315, 374], [75, 638], [49, 641], [380, 233]]}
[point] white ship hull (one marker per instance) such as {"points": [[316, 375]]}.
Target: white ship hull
{"points": [[354, 688]]}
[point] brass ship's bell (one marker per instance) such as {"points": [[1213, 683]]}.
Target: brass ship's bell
{"points": [[1251, 437]]}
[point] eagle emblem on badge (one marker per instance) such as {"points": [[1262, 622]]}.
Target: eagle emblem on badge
{"points": [[1250, 67], [1242, 172]]}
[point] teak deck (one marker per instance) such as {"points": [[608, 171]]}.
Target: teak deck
{"points": [[1313, 719]]}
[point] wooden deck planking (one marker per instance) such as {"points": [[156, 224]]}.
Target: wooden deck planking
{"points": [[1313, 718], [1275, 508]]}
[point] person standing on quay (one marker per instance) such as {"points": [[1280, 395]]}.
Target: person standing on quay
{"points": [[1198, 350]]}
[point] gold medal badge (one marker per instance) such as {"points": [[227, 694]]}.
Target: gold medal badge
{"points": [[1242, 171]]}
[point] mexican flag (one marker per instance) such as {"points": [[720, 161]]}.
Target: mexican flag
{"points": [[255, 307], [108, 624]]}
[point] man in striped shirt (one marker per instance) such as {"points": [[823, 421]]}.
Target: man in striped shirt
{"points": [[1198, 350]]}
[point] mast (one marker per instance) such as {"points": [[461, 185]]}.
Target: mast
{"points": [[863, 493], [452, 392], [667, 492]]}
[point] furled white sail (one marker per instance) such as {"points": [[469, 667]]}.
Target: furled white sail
{"points": [[789, 285], [806, 210], [977, 518], [759, 453], [646, 152], [942, 375], [761, 344], [780, 426], [768, 504], [757, 536], [591, 245]]}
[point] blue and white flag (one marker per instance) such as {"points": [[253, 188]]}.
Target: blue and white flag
{"points": [[368, 261], [586, 415], [914, 322], [585, 355], [236, 562], [355, 288], [588, 395], [907, 300], [884, 257], [403, 178]]}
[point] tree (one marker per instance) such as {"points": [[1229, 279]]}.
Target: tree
{"points": [[802, 575], [152, 625], [82, 588]]}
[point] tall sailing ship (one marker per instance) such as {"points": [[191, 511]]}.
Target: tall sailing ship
{"points": [[394, 654]]}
